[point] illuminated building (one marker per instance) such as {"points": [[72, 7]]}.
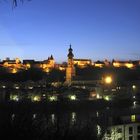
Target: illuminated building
{"points": [[45, 65], [127, 64], [123, 132], [99, 64], [70, 70], [13, 66], [82, 62]]}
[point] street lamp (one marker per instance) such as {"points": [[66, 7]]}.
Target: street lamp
{"points": [[108, 79]]}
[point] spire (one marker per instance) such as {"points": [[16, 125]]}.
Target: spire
{"points": [[70, 54], [70, 49], [51, 57]]}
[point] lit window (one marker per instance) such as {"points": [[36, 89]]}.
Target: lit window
{"points": [[133, 118]]}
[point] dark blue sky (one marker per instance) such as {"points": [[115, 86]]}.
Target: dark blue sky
{"points": [[97, 29]]}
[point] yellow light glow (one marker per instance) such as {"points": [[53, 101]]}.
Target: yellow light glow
{"points": [[47, 70], [62, 69], [14, 97], [108, 80], [28, 65], [107, 98], [53, 98], [44, 66], [72, 97], [134, 87], [99, 65], [17, 60], [5, 64], [14, 70], [116, 64], [36, 98], [133, 118], [98, 96], [129, 65]]}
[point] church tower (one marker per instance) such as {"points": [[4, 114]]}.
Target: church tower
{"points": [[70, 71]]}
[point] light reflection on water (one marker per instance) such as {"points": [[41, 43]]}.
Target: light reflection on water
{"points": [[73, 118], [12, 117], [53, 118], [49, 123], [34, 116]]}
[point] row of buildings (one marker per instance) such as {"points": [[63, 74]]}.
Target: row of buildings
{"points": [[16, 65]]}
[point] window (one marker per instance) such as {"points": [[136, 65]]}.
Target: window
{"points": [[138, 138], [130, 138], [133, 117], [130, 130], [138, 128], [119, 130]]}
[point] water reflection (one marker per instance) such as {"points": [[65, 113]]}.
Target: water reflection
{"points": [[73, 118], [98, 130], [53, 118], [12, 117], [34, 116], [66, 123]]}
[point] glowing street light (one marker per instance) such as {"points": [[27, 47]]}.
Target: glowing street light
{"points": [[108, 80], [107, 98], [36, 98], [134, 87], [53, 98], [72, 97]]}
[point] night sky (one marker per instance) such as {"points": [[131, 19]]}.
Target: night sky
{"points": [[97, 29]]}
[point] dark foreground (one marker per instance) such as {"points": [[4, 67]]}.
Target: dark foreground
{"points": [[83, 120]]}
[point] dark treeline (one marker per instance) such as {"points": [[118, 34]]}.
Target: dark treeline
{"points": [[33, 74], [119, 74], [87, 73]]}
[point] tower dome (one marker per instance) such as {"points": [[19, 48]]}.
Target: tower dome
{"points": [[70, 54]]}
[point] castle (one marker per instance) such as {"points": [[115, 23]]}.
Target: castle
{"points": [[14, 66]]}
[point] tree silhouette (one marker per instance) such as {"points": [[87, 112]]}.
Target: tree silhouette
{"points": [[15, 2]]}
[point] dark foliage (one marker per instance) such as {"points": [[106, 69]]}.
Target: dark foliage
{"points": [[119, 74]]}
